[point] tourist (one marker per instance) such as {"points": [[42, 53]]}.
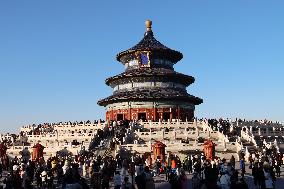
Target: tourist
{"points": [[183, 179], [65, 167], [174, 164], [23, 175], [277, 168], [174, 180], [234, 179], [39, 170], [260, 176], [117, 180], [139, 177], [242, 167], [268, 175], [1, 168], [196, 180], [190, 165], [230, 169], [16, 179], [149, 181], [30, 170], [222, 166], [158, 166], [250, 161], [225, 180], [59, 173], [255, 173], [43, 176], [126, 184], [233, 161], [105, 179], [8, 181]]}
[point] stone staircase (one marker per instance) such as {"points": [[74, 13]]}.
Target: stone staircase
{"points": [[248, 145]]}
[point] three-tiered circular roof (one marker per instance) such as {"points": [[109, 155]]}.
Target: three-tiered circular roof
{"points": [[152, 74]]}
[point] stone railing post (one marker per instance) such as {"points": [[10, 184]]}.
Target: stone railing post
{"points": [[226, 138], [224, 143], [275, 142], [175, 134], [197, 132]]}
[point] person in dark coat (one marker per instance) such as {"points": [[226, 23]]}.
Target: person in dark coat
{"points": [[8, 181], [255, 173], [233, 161]]}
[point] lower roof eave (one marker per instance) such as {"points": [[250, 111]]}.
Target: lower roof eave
{"points": [[105, 102]]}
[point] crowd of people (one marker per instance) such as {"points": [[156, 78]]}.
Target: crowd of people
{"points": [[90, 170], [85, 171]]}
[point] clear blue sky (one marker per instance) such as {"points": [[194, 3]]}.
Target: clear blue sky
{"points": [[55, 55]]}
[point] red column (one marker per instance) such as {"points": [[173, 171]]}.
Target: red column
{"points": [[129, 113], [112, 114]]}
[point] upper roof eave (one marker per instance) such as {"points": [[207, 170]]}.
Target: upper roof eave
{"points": [[150, 43]]}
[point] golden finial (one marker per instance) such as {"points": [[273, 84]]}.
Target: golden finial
{"points": [[148, 24]]}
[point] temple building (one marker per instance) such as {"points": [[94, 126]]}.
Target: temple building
{"points": [[149, 88]]}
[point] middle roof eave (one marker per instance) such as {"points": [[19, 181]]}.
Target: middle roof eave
{"points": [[155, 72]]}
